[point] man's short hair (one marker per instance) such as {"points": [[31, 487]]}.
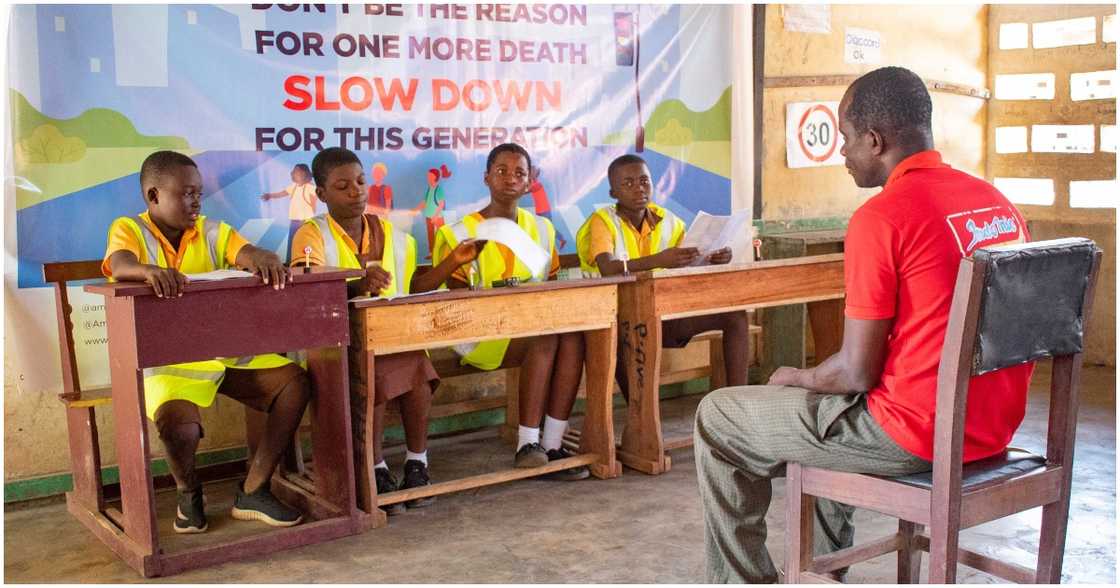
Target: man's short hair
{"points": [[620, 161], [508, 148], [893, 101], [328, 159], [159, 163]]}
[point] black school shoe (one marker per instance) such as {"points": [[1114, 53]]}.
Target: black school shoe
{"points": [[530, 455], [264, 507], [570, 474], [416, 476], [386, 483], [191, 515]]}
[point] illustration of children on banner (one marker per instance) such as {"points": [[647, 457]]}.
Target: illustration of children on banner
{"points": [[541, 205], [302, 193], [433, 203], [380, 194]]}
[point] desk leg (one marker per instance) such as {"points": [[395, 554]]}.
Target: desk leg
{"points": [[598, 423], [137, 492], [642, 445], [330, 434], [826, 321]]}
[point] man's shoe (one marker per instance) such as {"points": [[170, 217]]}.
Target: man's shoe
{"points": [[191, 515], [570, 474], [416, 476], [531, 455], [386, 483], [263, 506]]}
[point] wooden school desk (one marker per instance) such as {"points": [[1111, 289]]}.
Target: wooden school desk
{"points": [[679, 293], [382, 327], [228, 318]]}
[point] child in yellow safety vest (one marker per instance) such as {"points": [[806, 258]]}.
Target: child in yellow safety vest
{"points": [[551, 365], [160, 247], [649, 237], [347, 237]]}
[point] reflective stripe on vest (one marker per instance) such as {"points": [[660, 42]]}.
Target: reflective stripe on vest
{"points": [[181, 372], [626, 242], [211, 256], [395, 246]]}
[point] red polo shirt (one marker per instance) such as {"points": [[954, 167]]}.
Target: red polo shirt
{"points": [[900, 262]]}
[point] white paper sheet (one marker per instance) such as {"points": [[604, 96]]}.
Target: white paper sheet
{"points": [[506, 232], [222, 274], [709, 233], [412, 295]]}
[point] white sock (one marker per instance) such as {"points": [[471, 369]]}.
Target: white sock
{"points": [[421, 457], [527, 435], [553, 435], [381, 464]]}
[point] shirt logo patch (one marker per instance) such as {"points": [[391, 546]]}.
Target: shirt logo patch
{"points": [[987, 226]]}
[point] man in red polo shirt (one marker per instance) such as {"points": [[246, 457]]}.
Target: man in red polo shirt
{"points": [[870, 407]]}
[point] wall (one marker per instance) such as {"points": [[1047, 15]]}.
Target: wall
{"points": [[946, 43]]}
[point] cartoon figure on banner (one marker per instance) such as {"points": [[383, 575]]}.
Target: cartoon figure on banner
{"points": [[302, 193], [433, 203], [380, 194], [541, 205]]}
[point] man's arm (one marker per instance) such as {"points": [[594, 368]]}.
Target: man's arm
{"points": [[855, 368]]}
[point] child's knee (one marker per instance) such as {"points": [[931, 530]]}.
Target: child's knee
{"points": [[181, 434], [546, 344]]}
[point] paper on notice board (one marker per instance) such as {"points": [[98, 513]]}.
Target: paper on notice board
{"points": [[709, 233], [807, 18], [222, 274], [507, 233]]}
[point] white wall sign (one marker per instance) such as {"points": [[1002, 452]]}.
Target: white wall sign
{"points": [[807, 18], [862, 46], [812, 135]]}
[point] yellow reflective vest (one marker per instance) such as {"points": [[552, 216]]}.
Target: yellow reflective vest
{"points": [[398, 256], [669, 230], [490, 267], [196, 381]]}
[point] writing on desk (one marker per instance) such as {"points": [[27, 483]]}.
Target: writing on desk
{"points": [[447, 316], [640, 353]]}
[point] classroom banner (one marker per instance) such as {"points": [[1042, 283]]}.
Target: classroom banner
{"points": [[421, 92]]}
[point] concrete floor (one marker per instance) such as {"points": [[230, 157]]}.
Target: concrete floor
{"points": [[632, 529]]}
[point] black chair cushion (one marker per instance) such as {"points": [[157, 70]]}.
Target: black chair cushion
{"points": [[1011, 463]]}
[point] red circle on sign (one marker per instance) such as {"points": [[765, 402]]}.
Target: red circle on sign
{"points": [[801, 127]]}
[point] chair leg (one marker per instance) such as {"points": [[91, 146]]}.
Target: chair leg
{"points": [[1052, 542], [513, 418], [799, 525], [943, 537], [718, 378], [909, 556], [85, 458]]}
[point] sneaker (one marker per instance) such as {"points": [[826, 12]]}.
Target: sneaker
{"points": [[570, 474], [263, 506], [191, 514], [531, 455], [386, 483], [416, 476]]}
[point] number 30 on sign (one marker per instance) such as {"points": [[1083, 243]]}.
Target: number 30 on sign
{"points": [[812, 136]]}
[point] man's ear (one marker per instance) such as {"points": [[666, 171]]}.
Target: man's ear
{"points": [[319, 193], [877, 145], [152, 195]]}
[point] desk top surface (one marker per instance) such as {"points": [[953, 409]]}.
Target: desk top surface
{"points": [[463, 293], [317, 274], [685, 272]]}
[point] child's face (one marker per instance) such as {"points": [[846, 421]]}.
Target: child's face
{"points": [[378, 174], [345, 191], [299, 176], [508, 177], [433, 179], [631, 185], [176, 198]]}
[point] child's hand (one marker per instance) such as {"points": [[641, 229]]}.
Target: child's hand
{"points": [[377, 279], [677, 256], [167, 282], [720, 256], [269, 267], [467, 251], [266, 196]]}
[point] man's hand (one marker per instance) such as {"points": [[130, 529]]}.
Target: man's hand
{"points": [[677, 256], [167, 282], [266, 265], [720, 256], [466, 252], [785, 376]]}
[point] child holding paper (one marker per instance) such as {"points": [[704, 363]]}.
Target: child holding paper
{"points": [[637, 235], [551, 365]]}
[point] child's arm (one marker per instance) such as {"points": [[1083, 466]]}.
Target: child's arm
{"points": [[669, 258], [271, 195], [167, 282], [464, 253], [265, 264]]}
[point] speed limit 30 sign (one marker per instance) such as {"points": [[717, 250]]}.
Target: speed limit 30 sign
{"points": [[812, 134]]}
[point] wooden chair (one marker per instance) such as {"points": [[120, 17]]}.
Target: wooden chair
{"points": [[1010, 306]]}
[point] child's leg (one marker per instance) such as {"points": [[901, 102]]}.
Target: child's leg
{"points": [[416, 405], [180, 429], [535, 356], [733, 325], [283, 393], [566, 373]]}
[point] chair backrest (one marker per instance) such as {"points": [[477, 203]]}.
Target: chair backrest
{"points": [[58, 274], [1013, 305]]}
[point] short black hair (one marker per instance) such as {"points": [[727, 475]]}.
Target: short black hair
{"points": [[328, 159], [620, 161], [159, 163], [508, 148], [893, 101]]}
